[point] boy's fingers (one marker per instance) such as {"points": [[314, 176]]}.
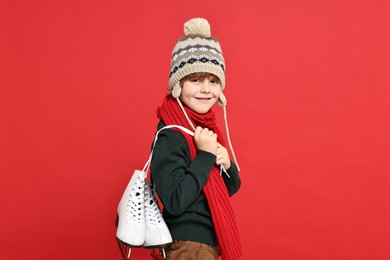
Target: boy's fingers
{"points": [[198, 130]]}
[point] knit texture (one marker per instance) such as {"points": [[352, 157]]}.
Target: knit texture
{"points": [[215, 190]]}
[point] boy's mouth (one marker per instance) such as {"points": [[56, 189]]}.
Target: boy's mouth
{"points": [[203, 98]]}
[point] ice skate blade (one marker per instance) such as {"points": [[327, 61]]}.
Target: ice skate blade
{"points": [[158, 246], [126, 244]]}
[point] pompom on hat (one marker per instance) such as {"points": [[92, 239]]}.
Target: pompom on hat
{"points": [[196, 52]]}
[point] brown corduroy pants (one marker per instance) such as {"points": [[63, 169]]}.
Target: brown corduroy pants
{"points": [[190, 250]]}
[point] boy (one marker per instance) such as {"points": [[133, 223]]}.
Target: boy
{"points": [[186, 169]]}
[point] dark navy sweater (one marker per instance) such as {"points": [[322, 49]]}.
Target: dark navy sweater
{"points": [[179, 182]]}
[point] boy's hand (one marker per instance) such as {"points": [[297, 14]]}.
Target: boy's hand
{"points": [[206, 140], [223, 156]]}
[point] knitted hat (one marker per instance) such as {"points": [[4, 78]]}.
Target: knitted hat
{"points": [[196, 52]]}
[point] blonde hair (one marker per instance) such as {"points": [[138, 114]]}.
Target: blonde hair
{"points": [[200, 76]]}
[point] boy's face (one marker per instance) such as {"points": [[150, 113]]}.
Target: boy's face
{"points": [[200, 94]]}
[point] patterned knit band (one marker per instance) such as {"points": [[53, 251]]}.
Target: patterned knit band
{"points": [[196, 52]]}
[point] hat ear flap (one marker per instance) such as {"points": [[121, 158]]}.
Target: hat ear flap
{"points": [[222, 100], [176, 90]]}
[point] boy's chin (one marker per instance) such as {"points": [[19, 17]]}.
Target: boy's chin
{"points": [[201, 110]]}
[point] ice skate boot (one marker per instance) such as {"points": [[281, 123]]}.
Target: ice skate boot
{"points": [[156, 233], [131, 212]]}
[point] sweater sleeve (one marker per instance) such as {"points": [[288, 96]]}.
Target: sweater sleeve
{"points": [[234, 182], [178, 180]]}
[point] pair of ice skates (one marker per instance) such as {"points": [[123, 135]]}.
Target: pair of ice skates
{"points": [[140, 222]]}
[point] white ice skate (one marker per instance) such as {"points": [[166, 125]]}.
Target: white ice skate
{"points": [[156, 233], [131, 223]]}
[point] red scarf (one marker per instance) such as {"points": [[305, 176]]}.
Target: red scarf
{"points": [[215, 190]]}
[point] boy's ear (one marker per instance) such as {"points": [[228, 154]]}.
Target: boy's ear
{"points": [[176, 90]]}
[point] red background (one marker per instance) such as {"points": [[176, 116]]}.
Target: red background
{"points": [[308, 107]]}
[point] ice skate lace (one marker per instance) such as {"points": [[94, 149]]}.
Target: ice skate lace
{"points": [[147, 165], [152, 212], [134, 209]]}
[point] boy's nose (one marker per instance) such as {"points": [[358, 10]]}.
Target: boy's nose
{"points": [[205, 86]]}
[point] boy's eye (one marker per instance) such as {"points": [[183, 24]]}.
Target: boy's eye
{"points": [[195, 80], [214, 81]]}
